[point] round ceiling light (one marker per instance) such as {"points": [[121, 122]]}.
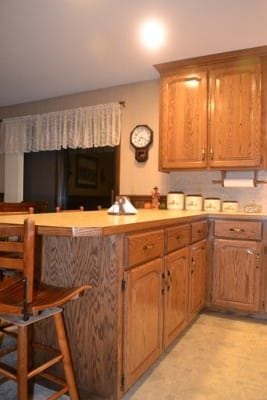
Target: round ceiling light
{"points": [[152, 34]]}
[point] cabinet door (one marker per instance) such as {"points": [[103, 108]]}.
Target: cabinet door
{"points": [[183, 139], [236, 278], [235, 116], [176, 295], [198, 257], [142, 319]]}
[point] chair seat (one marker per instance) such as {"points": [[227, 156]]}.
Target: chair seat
{"points": [[44, 297]]}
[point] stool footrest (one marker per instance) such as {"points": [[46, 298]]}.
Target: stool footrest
{"points": [[44, 366]]}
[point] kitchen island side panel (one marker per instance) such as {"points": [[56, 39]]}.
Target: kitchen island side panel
{"points": [[93, 321]]}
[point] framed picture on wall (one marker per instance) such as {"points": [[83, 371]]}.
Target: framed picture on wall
{"points": [[86, 171]]}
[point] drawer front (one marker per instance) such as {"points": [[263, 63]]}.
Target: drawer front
{"points": [[199, 231], [237, 229], [144, 247], [177, 237]]}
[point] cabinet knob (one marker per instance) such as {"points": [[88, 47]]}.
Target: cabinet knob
{"points": [[203, 154]]}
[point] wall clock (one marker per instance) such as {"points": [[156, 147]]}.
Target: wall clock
{"points": [[141, 138]]}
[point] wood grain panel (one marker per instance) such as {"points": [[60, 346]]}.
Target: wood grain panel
{"points": [[183, 121], [176, 294], [237, 272], [238, 229], [143, 319], [200, 230], [93, 322], [143, 247], [235, 119], [177, 237]]}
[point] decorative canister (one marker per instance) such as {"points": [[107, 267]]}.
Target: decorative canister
{"points": [[175, 201], [230, 206], [194, 202], [212, 204]]}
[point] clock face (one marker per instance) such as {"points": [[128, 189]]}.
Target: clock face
{"points": [[141, 136]]}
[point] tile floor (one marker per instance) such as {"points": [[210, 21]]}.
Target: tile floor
{"points": [[218, 358]]}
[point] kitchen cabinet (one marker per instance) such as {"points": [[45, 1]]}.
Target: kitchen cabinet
{"points": [[197, 271], [237, 265], [211, 111], [142, 319], [160, 293], [176, 275], [143, 303]]}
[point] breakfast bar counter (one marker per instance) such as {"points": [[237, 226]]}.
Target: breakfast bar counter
{"points": [[82, 247]]}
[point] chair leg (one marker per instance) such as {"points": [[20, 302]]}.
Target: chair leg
{"points": [[22, 365], [65, 350]]}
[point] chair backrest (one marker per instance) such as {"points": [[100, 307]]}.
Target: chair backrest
{"points": [[81, 208], [17, 252], [24, 206]]}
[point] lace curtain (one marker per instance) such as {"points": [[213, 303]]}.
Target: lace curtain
{"points": [[84, 127]]}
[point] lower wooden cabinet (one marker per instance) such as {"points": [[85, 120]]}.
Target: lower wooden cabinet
{"points": [[143, 317], [161, 295], [198, 257], [176, 294], [237, 274]]}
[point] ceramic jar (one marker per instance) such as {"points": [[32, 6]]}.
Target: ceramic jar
{"points": [[212, 204], [230, 206], [194, 202], [175, 201]]}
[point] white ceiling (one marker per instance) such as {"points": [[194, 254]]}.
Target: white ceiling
{"points": [[50, 48]]}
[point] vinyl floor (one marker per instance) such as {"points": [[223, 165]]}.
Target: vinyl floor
{"points": [[218, 358]]}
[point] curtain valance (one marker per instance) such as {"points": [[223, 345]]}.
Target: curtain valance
{"points": [[84, 127]]}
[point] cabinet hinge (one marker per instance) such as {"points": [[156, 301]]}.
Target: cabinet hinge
{"points": [[122, 381], [123, 284]]}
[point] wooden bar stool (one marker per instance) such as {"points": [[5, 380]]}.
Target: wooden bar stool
{"points": [[24, 303]]}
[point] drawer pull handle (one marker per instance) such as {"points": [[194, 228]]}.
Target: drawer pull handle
{"points": [[148, 246], [179, 237], [238, 230]]}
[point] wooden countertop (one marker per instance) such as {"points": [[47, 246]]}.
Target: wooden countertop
{"points": [[94, 223]]}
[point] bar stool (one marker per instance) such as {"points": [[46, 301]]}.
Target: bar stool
{"points": [[24, 303]]}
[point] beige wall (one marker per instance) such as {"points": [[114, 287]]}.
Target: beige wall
{"points": [[141, 107]]}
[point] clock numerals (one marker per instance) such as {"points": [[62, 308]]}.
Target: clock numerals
{"points": [[140, 138]]}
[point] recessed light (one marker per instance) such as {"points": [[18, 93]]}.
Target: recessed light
{"points": [[152, 34]]}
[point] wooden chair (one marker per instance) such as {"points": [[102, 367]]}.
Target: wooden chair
{"points": [[59, 209], [24, 303]]}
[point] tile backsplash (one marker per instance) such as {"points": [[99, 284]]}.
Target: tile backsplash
{"points": [[200, 182]]}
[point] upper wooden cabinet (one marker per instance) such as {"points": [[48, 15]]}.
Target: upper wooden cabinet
{"points": [[212, 112]]}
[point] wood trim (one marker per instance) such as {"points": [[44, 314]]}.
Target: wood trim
{"points": [[170, 67]]}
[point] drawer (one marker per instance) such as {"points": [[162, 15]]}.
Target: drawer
{"points": [[177, 237], [199, 230], [144, 247], [237, 229]]}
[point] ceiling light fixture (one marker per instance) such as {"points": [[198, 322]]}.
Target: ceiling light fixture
{"points": [[152, 34]]}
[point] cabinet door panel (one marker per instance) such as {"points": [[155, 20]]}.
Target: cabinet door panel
{"points": [[176, 296], [198, 257], [236, 279], [235, 116], [184, 121], [142, 319]]}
